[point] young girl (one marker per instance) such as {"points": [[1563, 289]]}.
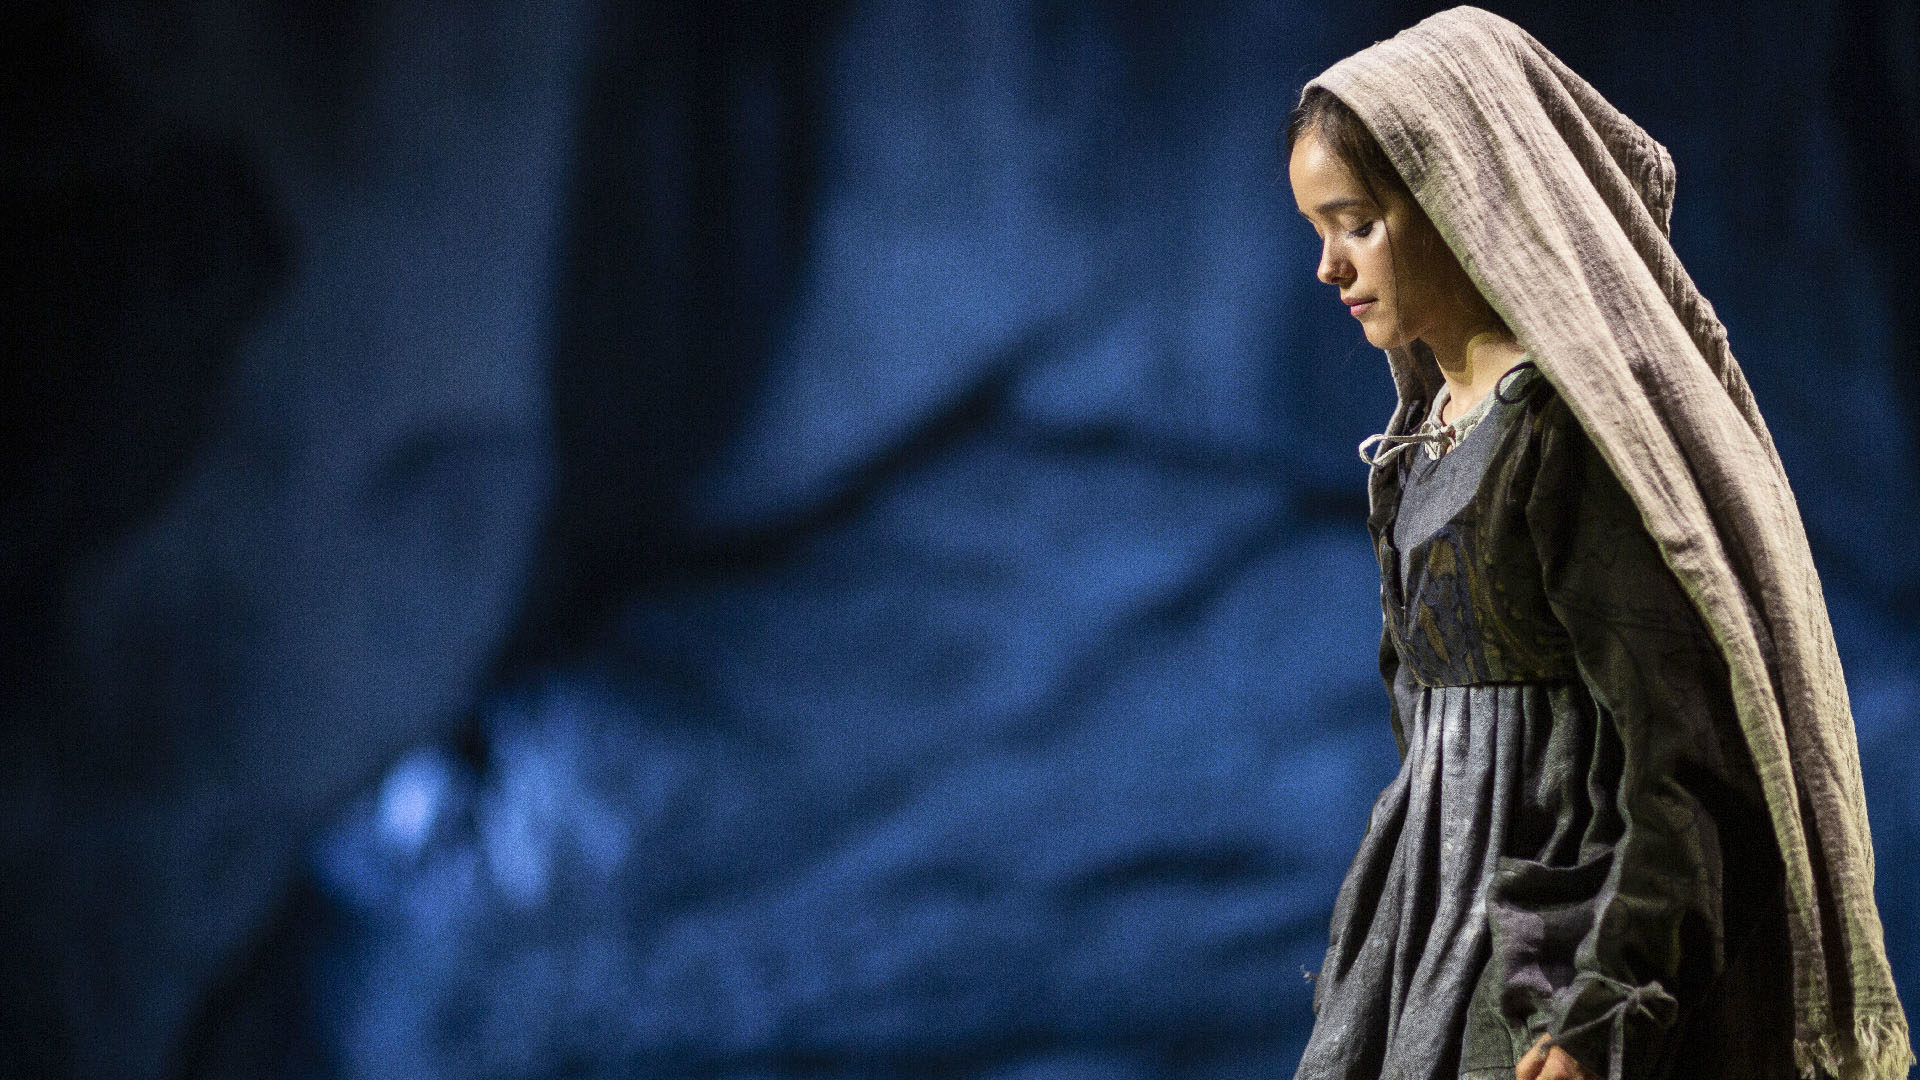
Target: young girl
{"points": [[1627, 838]]}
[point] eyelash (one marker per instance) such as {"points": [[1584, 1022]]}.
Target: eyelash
{"points": [[1361, 232]]}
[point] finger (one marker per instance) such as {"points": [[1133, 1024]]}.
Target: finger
{"points": [[1564, 1066], [1531, 1062]]}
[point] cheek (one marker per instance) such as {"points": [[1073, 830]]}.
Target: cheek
{"points": [[1378, 269], [1429, 274]]}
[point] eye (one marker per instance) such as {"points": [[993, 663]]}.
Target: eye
{"points": [[1361, 232]]}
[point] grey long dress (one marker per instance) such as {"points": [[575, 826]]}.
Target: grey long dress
{"points": [[1575, 843]]}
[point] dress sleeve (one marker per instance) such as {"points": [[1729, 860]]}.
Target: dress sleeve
{"points": [[1634, 881]]}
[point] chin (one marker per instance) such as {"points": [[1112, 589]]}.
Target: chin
{"points": [[1382, 341], [1379, 333]]}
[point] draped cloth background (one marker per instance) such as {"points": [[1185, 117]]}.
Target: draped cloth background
{"points": [[1559, 206]]}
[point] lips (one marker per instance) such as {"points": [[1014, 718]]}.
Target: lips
{"points": [[1359, 307]]}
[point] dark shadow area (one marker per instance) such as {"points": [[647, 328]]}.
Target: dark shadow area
{"points": [[136, 250], [697, 166]]}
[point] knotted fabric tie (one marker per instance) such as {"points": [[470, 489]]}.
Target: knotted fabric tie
{"points": [[1432, 433], [1439, 437], [1651, 1001]]}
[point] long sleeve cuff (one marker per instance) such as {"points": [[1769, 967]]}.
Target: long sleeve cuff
{"points": [[1612, 1028]]}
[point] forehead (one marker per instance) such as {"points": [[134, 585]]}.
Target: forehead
{"points": [[1321, 178]]}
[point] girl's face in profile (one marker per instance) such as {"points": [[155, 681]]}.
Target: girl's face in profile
{"points": [[1355, 255]]}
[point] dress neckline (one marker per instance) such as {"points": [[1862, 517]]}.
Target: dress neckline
{"points": [[1461, 426]]}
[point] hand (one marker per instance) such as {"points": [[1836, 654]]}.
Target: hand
{"points": [[1555, 1064]]}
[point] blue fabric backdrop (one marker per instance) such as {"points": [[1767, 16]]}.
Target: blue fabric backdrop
{"points": [[761, 540]]}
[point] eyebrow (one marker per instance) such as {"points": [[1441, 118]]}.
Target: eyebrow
{"points": [[1331, 205]]}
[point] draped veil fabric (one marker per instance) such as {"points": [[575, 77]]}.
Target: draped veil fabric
{"points": [[1558, 206]]}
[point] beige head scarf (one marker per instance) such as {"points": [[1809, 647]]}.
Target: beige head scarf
{"points": [[1558, 205]]}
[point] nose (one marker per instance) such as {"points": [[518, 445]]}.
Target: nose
{"points": [[1333, 269]]}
